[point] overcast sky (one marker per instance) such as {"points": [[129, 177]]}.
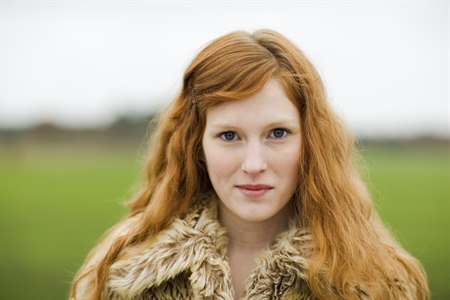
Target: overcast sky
{"points": [[385, 64]]}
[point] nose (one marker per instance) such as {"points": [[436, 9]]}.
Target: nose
{"points": [[254, 162]]}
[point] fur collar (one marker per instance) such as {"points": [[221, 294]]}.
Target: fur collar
{"points": [[196, 244]]}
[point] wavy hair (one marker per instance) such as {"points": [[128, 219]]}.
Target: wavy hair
{"points": [[351, 243]]}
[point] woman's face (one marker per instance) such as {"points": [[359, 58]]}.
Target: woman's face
{"points": [[252, 152]]}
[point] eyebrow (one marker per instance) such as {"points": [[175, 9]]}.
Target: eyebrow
{"points": [[279, 123]]}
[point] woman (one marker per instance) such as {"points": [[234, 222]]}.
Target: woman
{"points": [[250, 193]]}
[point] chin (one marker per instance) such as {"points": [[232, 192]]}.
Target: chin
{"points": [[254, 215]]}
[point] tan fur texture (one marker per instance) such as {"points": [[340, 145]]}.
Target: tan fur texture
{"points": [[188, 261]]}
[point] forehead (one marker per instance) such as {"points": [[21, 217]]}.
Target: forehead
{"points": [[270, 104]]}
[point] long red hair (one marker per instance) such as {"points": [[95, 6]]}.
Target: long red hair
{"points": [[351, 243]]}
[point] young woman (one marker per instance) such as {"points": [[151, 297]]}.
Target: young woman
{"points": [[250, 193]]}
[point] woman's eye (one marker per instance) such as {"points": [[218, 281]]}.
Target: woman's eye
{"points": [[228, 136], [278, 133]]}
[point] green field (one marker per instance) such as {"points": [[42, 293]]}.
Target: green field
{"points": [[56, 202]]}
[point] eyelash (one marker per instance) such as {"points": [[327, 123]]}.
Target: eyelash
{"points": [[285, 133]]}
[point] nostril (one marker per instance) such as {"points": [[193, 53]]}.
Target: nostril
{"points": [[254, 166], [254, 161]]}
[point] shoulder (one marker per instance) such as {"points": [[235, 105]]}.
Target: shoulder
{"points": [[180, 248], [84, 278], [120, 229], [199, 220]]}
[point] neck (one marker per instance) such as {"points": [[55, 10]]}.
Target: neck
{"points": [[253, 236]]}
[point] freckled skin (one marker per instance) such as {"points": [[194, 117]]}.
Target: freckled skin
{"points": [[254, 141]]}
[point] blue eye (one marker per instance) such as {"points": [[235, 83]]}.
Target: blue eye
{"points": [[278, 133], [228, 136]]}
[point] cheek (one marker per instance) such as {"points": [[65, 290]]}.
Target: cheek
{"points": [[288, 162], [219, 163]]}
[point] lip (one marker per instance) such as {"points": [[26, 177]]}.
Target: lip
{"points": [[254, 190]]}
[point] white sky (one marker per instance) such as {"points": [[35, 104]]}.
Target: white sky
{"points": [[81, 63]]}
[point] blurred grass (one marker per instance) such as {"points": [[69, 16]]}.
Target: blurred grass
{"points": [[411, 189], [56, 202]]}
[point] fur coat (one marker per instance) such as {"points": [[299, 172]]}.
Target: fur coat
{"points": [[187, 260]]}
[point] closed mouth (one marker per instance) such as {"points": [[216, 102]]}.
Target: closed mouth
{"points": [[254, 190], [255, 187]]}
